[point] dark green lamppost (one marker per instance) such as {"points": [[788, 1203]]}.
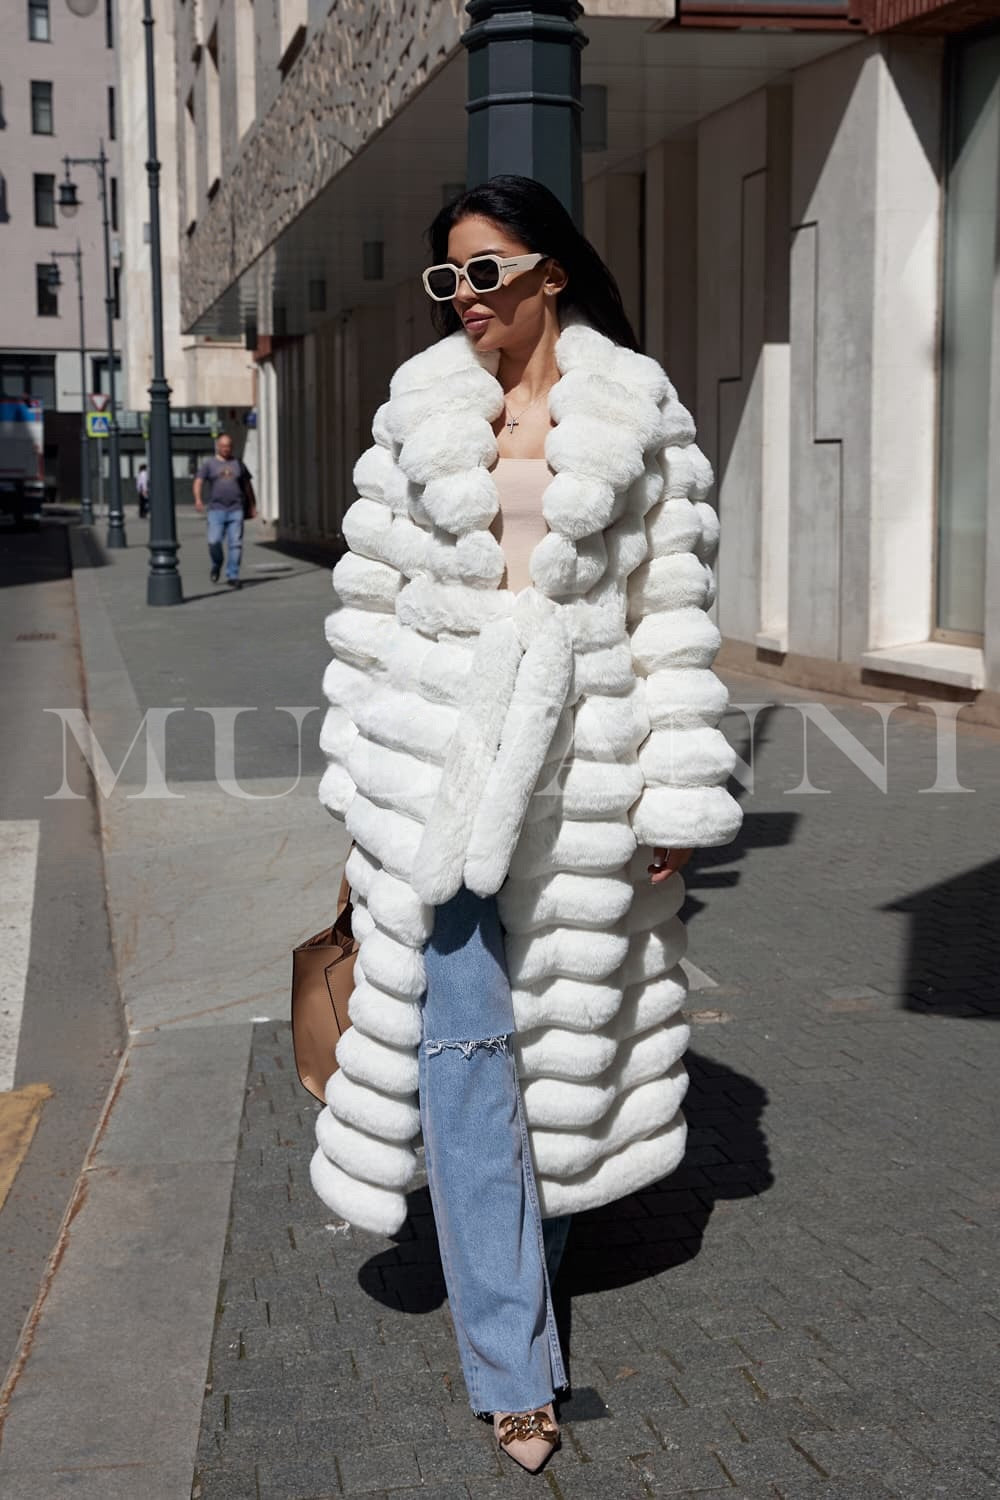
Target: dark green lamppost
{"points": [[69, 203], [163, 585], [524, 93], [55, 280]]}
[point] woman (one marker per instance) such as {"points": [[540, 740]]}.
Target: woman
{"points": [[522, 708]]}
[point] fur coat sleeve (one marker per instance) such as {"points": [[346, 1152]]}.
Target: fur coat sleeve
{"points": [[362, 626], [686, 760]]}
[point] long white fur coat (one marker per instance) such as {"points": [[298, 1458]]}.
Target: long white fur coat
{"points": [[532, 744]]}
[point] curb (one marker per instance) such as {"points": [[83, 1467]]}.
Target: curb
{"points": [[121, 1149]]}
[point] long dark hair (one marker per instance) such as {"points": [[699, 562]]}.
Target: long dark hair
{"points": [[534, 215]]}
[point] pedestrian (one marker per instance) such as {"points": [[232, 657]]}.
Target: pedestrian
{"points": [[522, 711], [142, 490], [230, 500]]}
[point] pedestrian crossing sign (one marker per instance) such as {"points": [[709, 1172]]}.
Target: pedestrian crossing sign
{"points": [[98, 424]]}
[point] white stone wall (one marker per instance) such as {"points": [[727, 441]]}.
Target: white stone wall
{"points": [[905, 345], [865, 218], [199, 372], [742, 393], [817, 252]]}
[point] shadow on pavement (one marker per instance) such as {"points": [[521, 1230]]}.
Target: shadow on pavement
{"points": [[312, 552], [40, 556], [631, 1240], [953, 945]]}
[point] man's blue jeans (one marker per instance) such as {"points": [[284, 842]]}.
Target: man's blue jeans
{"points": [[228, 522], [496, 1252]]}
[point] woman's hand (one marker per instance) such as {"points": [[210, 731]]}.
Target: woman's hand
{"points": [[665, 862]]}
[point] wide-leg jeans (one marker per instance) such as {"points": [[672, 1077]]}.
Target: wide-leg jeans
{"points": [[497, 1253]]}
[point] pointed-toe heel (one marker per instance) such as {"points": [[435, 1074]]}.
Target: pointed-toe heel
{"points": [[530, 1438]]}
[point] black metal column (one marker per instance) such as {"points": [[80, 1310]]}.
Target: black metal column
{"points": [[86, 508], [524, 94], [163, 585], [116, 510]]}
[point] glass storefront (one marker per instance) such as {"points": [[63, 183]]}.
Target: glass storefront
{"points": [[970, 247]]}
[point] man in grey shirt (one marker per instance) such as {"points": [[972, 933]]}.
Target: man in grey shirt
{"points": [[230, 499]]}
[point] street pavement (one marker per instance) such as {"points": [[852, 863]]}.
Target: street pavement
{"points": [[60, 1017], [807, 1307]]}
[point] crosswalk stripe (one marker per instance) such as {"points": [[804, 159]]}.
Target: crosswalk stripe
{"points": [[18, 863]]}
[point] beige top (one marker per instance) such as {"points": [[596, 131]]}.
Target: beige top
{"points": [[519, 524]]}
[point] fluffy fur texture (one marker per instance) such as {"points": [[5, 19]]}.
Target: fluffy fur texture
{"points": [[529, 745]]}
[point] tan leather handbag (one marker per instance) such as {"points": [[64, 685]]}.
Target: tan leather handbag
{"points": [[322, 984]]}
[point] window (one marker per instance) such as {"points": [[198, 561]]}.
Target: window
{"points": [[190, 163], [114, 204], [972, 204], [112, 121], [109, 23], [99, 376], [116, 291], [292, 19], [29, 375], [46, 296], [38, 21], [41, 109], [4, 215], [45, 199], [246, 67], [213, 120]]}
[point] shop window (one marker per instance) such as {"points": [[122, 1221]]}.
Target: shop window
{"points": [[971, 210]]}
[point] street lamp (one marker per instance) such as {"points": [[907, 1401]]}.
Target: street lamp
{"points": [[68, 204], [524, 102], [55, 280], [163, 585]]}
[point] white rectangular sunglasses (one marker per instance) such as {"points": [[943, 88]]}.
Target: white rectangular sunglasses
{"points": [[484, 273]]}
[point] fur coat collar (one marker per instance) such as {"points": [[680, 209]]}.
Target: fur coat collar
{"points": [[615, 411]]}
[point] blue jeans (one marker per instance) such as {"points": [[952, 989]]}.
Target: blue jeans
{"points": [[496, 1252], [226, 521]]}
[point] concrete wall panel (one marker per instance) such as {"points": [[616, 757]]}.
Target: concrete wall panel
{"points": [[833, 182], [732, 227]]}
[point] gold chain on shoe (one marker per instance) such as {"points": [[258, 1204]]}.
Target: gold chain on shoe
{"points": [[519, 1426]]}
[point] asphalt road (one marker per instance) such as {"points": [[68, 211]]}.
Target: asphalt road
{"points": [[60, 1020]]}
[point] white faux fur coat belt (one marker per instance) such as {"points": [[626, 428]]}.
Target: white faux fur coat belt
{"points": [[534, 745]]}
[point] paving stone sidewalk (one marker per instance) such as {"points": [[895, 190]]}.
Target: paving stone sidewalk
{"points": [[809, 1307]]}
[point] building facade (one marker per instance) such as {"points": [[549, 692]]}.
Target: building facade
{"points": [[58, 97], [800, 204], [211, 378]]}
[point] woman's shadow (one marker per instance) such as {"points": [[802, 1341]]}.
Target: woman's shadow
{"points": [[630, 1240]]}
